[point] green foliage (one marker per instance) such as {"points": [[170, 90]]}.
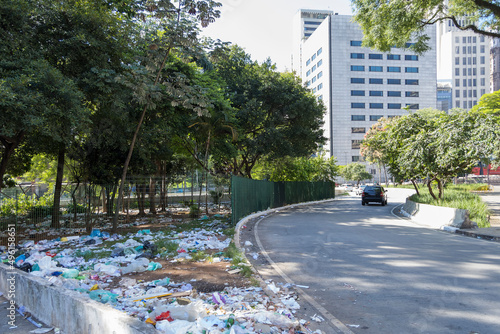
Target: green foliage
{"points": [[312, 169], [393, 23], [355, 172], [78, 208], [194, 211], [459, 197]]}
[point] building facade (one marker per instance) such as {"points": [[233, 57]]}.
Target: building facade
{"points": [[463, 59], [359, 85]]}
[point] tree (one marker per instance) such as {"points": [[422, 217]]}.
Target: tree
{"points": [[311, 169], [393, 23], [355, 172], [275, 116], [173, 29]]}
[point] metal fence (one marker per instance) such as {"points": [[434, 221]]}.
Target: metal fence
{"points": [[29, 208], [248, 196]]}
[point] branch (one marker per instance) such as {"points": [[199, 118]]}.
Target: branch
{"points": [[473, 28]]}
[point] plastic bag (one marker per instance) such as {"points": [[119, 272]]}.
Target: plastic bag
{"points": [[70, 273], [152, 266], [103, 296]]}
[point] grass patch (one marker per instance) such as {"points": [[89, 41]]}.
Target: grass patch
{"points": [[229, 232], [90, 255], [166, 247], [458, 197]]}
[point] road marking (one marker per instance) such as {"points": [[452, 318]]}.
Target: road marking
{"points": [[338, 326]]}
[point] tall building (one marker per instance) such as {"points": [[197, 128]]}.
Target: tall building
{"points": [[359, 85], [494, 65], [305, 23], [463, 60]]}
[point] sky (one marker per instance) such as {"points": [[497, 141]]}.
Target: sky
{"points": [[264, 27]]}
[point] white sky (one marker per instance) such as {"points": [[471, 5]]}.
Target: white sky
{"points": [[264, 27]]}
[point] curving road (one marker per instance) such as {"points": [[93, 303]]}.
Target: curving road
{"points": [[369, 271]]}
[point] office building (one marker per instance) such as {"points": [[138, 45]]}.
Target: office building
{"points": [[463, 60], [359, 85]]}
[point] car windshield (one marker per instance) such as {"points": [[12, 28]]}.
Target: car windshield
{"points": [[373, 188]]}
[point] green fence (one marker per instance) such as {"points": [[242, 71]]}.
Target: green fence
{"points": [[248, 196]]}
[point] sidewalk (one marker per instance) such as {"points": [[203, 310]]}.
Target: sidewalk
{"points": [[22, 325], [493, 232]]}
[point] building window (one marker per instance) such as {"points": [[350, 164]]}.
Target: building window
{"points": [[394, 81], [474, 93], [474, 49], [457, 72], [313, 80], [464, 104], [482, 49], [457, 60], [411, 57], [376, 93], [320, 86], [464, 72], [320, 97], [474, 82], [358, 68], [457, 82], [411, 69], [320, 74], [394, 94], [313, 68], [464, 49], [469, 82], [357, 105], [470, 93], [375, 118], [376, 105], [376, 81], [375, 56], [376, 68], [469, 49], [464, 61], [409, 44], [358, 130], [394, 106], [457, 39], [393, 69], [457, 93], [308, 73], [320, 62], [411, 94], [313, 57], [319, 51], [483, 91], [457, 50], [357, 117], [474, 60], [314, 90], [356, 144], [469, 60], [393, 57], [307, 83], [481, 39], [482, 60], [464, 82], [411, 82], [357, 93], [308, 62], [482, 71], [356, 43], [483, 82], [457, 104], [412, 105], [356, 158], [464, 39], [464, 93], [357, 56], [357, 80]]}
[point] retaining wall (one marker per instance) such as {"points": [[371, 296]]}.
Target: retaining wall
{"points": [[437, 216], [66, 309]]}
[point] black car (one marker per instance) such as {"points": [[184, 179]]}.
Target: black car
{"points": [[374, 194]]}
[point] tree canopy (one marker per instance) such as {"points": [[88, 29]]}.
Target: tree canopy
{"points": [[393, 23]]}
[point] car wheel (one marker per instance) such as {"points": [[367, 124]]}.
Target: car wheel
{"points": [[383, 203], [363, 203]]}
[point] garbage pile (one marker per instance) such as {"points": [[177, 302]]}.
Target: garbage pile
{"points": [[94, 266]]}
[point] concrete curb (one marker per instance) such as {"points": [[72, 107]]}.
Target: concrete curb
{"points": [[66, 309], [436, 216]]}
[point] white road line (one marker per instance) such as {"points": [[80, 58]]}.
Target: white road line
{"points": [[338, 326]]}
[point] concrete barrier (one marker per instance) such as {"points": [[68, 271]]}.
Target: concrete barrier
{"points": [[437, 216], [66, 309]]}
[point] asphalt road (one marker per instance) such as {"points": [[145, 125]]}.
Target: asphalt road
{"points": [[369, 271]]}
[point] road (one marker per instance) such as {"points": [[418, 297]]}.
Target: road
{"points": [[369, 271]]}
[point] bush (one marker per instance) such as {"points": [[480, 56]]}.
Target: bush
{"points": [[79, 208], [194, 211], [40, 211]]}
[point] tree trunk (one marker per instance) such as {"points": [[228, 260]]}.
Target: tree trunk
{"points": [[162, 187], [152, 195], [415, 186], [141, 196], [429, 186], [73, 197], [440, 187], [57, 191]]}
